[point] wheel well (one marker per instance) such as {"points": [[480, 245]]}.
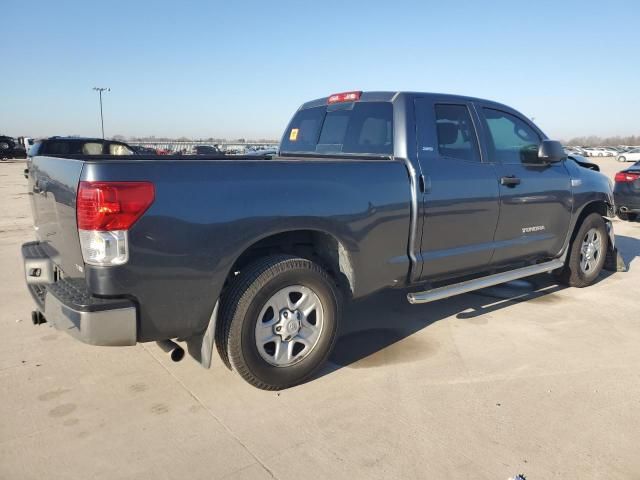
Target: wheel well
{"points": [[599, 207], [314, 245], [594, 207]]}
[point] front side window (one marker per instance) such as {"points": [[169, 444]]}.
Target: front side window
{"points": [[456, 133], [514, 141]]}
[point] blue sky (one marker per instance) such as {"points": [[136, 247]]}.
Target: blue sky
{"points": [[232, 69]]}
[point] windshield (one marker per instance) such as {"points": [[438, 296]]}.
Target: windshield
{"points": [[357, 128]]}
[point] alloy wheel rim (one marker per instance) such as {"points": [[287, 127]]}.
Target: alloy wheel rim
{"points": [[289, 326], [590, 251]]}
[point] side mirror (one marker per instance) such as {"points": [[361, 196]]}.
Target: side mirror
{"points": [[551, 151]]}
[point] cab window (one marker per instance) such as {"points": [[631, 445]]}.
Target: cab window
{"points": [[511, 140], [456, 133]]}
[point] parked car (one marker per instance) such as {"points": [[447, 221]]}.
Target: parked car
{"points": [[627, 192], [632, 155], [600, 152], [140, 150], [266, 152], [207, 150], [79, 146], [11, 148], [610, 151], [435, 194]]}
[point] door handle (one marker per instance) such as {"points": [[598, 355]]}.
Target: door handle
{"points": [[510, 181]]}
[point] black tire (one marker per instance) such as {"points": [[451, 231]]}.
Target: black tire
{"points": [[622, 215], [241, 305], [626, 216], [622, 159], [573, 274]]}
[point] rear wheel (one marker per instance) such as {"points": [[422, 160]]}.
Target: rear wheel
{"points": [[587, 253], [278, 321], [622, 159]]}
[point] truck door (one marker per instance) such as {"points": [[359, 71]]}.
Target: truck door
{"points": [[535, 199], [460, 190]]}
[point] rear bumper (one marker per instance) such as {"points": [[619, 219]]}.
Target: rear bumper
{"points": [[68, 305], [631, 201]]}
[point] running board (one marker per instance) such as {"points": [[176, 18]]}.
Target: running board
{"points": [[483, 282]]}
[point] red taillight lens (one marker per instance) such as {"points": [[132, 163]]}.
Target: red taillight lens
{"points": [[626, 177], [112, 205], [344, 97]]}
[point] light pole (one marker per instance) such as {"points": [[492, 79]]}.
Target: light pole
{"points": [[100, 90]]}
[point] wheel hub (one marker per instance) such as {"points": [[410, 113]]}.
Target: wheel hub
{"points": [[289, 324]]}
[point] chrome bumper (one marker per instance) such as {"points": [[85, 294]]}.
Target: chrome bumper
{"points": [[70, 307]]}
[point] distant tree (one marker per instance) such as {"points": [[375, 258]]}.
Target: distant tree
{"points": [[596, 141]]}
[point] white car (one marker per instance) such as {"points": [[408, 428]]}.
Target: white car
{"points": [[630, 156], [601, 152]]}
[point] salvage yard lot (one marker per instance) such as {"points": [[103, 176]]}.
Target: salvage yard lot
{"points": [[530, 378]]}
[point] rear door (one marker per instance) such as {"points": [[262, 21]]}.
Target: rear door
{"points": [[460, 196], [535, 199]]}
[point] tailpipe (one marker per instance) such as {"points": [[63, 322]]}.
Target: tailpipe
{"points": [[175, 351], [624, 209], [37, 318]]}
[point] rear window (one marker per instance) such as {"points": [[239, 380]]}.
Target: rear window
{"points": [[359, 127], [72, 147]]}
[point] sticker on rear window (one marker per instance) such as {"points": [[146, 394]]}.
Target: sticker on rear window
{"points": [[293, 136]]}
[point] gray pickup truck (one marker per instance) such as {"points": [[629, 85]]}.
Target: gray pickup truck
{"points": [[434, 194]]}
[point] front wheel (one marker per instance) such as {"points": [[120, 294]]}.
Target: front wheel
{"points": [[278, 321], [587, 253], [622, 159]]}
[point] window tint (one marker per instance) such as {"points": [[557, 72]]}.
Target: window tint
{"points": [[456, 134], [359, 127], [513, 140]]}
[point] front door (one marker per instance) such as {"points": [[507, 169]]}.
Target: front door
{"points": [[460, 196], [535, 199]]}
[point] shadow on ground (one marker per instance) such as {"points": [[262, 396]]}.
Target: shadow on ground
{"points": [[629, 248], [380, 321]]}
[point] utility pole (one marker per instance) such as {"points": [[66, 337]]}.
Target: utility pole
{"points": [[100, 90]]}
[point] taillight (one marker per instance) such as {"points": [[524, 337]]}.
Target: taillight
{"points": [[344, 97], [626, 177], [105, 212]]}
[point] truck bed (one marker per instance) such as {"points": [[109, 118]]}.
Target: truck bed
{"points": [[209, 209]]}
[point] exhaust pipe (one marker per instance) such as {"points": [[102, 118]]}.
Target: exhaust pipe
{"points": [[624, 209], [175, 351], [37, 318]]}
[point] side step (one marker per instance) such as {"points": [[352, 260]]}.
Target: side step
{"points": [[483, 282]]}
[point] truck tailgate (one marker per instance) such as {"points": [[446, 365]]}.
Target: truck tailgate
{"points": [[53, 184]]}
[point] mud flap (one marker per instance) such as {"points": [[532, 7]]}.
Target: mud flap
{"points": [[200, 347], [614, 261]]}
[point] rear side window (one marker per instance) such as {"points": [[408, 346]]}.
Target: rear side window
{"points": [[119, 149], [357, 128], [92, 148], [456, 133], [514, 141]]}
